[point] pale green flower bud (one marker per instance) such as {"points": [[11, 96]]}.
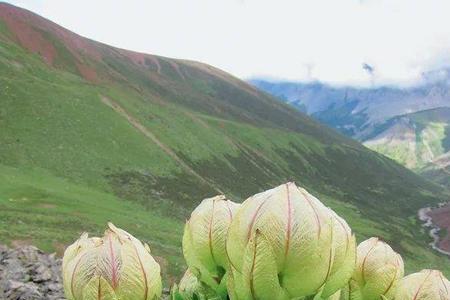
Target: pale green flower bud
{"points": [[189, 283], [284, 243], [377, 273], [190, 288], [204, 241], [425, 285], [115, 267]]}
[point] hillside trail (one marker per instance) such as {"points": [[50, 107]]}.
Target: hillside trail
{"points": [[151, 136]]}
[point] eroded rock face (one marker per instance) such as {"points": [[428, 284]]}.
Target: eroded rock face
{"points": [[26, 273]]}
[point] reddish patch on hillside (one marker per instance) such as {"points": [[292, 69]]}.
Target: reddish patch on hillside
{"points": [[88, 73], [27, 21], [26, 35], [29, 30], [441, 217]]}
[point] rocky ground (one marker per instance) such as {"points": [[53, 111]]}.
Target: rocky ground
{"points": [[437, 220], [26, 273], [441, 217]]}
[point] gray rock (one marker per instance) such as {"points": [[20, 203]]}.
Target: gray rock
{"points": [[26, 273], [19, 290]]}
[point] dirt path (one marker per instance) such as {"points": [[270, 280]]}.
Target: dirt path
{"points": [[138, 125]]}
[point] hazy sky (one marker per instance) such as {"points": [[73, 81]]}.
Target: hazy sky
{"points": [[336, 41]]}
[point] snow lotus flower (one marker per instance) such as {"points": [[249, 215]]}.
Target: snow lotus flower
{"points": [[378, 271], [284, 243], [114, 267], [204, 241], [425, 285]]}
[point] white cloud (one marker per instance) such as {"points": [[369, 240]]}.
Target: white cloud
{"points": [[327, 40]]}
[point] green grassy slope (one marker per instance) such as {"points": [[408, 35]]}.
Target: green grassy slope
{"points": [[420, 141], [92, 133], [40, 209]]}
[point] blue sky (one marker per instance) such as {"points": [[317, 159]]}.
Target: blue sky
{"points": [[327, 40]]}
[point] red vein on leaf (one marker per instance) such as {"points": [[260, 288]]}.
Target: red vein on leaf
{"points": [[348, 236], [252, 270], [253, 220], [143, 271], [75, 269], [114, 270], [289, 223], [363, 265], [391, 284], [229, 210], [319, 225], [210, 233], [99, 294], [421, 286], [330, 259]]}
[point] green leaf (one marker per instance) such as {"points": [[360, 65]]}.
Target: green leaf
{"points": [[259, 271]]}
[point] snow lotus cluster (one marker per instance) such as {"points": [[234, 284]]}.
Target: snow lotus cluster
{"points": [[114, 267], [277, 245], [285, 244]]}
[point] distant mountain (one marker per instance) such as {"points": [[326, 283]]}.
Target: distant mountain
{"points": [[409, 125], [357, 111], [90, 133]]}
